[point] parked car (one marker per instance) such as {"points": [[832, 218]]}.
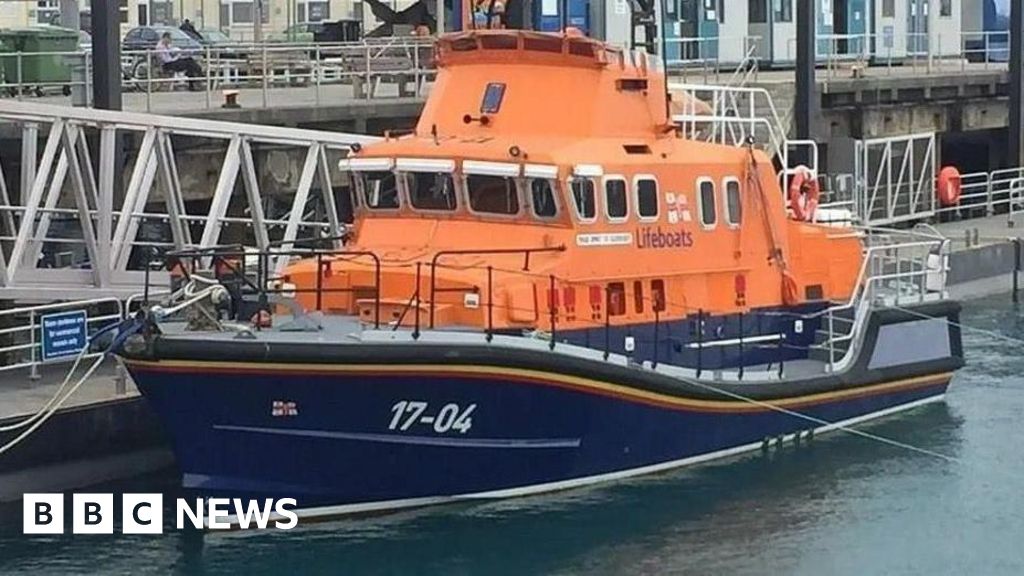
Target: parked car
{"points": [[221, 45], [84, 41], [146, 38], [297, 33]]}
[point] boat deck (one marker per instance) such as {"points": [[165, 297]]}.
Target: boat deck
{"points": [[337, 329]]}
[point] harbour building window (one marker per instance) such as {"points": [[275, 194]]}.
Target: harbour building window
{"points": [[708, 214], [615, 203], [733, 202], [542, 196], [757, 11], [647, 198], [379, 189], [783, 10], [431, 190], [492, 194], [584, 198]]}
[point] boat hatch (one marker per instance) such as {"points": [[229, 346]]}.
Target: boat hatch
{"points": [[588, 170], [491, 168], [366, 164], [540, 171], [425, 165]]}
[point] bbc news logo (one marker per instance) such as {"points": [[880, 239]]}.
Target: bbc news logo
{"points": [[144, 514]]}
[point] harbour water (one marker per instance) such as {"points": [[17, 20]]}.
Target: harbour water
{"points": [[840, 505]]}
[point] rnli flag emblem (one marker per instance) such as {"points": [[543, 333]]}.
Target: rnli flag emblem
{"points": [[283, 408]]}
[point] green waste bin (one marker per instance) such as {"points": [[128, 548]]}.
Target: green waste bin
{"points": [[36, 66]]}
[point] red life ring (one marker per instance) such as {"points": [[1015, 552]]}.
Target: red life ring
{"points": [[949, 186], [803, 194]]}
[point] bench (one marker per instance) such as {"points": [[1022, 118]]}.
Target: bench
{"points": [[395, 66], [293, 69]]}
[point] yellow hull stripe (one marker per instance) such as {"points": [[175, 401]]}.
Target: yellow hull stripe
{"points": [[536, 376]]}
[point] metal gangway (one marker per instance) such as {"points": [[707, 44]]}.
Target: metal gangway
{"points": [[98, 192]]}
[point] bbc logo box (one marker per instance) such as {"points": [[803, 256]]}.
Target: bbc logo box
{"points": [[92, 514]]}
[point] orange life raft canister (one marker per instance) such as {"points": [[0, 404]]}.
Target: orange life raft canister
{"points": [[949, 186], [803, 193]]}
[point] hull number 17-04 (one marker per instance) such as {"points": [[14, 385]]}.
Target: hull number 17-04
{"points": [[450, 418]]}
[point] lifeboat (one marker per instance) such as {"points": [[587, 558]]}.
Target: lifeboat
{"points": [[546, 285]]}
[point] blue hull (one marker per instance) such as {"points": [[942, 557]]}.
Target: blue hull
{"points": [[345, 438]]}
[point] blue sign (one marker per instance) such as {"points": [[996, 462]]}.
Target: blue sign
{"points": [[64, 334]]}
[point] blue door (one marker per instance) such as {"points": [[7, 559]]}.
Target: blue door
{"points": [[711, 13], [553, 15]]}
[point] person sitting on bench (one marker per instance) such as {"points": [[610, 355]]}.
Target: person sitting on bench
{"points": [[171, 60]]}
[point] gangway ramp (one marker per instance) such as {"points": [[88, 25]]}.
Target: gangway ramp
{"points": [[93, 185]]}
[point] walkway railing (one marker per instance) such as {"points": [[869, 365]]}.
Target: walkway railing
{"points": [[266, 74], [900, 267], [21, 330], [910, 53]]}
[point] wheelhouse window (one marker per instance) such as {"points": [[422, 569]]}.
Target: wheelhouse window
{"points": [[431, 190], [615, 203], [584, 198], [706, 191], [733, 202], [647, 198], [492, 194], [542, 197], [379, 189]]}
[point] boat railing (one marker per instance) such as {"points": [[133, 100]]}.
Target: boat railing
{"points": [[751, 104], [740, 116], [893, 272], [233, 266], [525, 252], [899, 267]]}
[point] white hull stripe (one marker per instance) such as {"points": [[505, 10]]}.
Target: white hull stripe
{"points": [[415, 440], [361, 508], [734, 341]]}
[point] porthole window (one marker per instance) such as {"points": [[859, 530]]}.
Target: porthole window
{"points": [[584, 199], [647, 198], [733, 202], [706, 195], [616, 205]]}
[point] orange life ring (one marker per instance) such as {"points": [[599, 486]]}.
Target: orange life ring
{"points": [[949, 186], [804, 193]]}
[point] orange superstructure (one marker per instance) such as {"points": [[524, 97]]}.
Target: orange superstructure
{"points": [[552, 159]]}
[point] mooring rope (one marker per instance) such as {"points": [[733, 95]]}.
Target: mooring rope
{"points": [[816, 420], [963, 326], [36, 420]]}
